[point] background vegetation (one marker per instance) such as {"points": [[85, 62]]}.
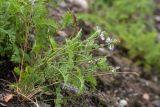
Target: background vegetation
{"points": [[132, 22]]}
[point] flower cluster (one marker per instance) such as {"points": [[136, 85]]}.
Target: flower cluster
{"points": [[108, 41]]}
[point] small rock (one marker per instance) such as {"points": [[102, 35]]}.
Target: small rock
{"points": [[8, 97], [146, 96], [156, 103], [102, 51], [60, 39], [63, 4], [70, 88], [157, 18], [155, 78], [81, 3], [122, 103], [62, 33], [1, 97]]}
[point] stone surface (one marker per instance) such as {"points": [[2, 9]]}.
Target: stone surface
{"points": [[122, 103], [156, 103], [83, 4]]}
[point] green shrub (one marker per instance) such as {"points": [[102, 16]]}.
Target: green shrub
{"points": [[21, 23], [27, 38]]}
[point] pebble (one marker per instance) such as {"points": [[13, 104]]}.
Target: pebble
{"points": [[82, 3], [63, 4], [62, 33], [102, 51], [1, 97], [157, 18], [146, 96], [122, 103], [60, 39]]}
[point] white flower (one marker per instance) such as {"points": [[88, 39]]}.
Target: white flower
{"points": [[111, 47], [102, 36], [122, 103], [109, 40], [89, 61]]}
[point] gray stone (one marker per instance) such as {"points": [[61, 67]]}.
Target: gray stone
{"points": [[81, 3], [156, 103], [122, 103], [157, 18]]}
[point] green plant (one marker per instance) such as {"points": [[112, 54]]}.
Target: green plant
{"points": [[71, 64], [27, 38], [21, 23]]}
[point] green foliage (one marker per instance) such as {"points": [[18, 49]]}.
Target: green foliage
{"points": [[19, 20], [68, 19], [26, 37], [130, 21], [72, 64], [58, 100]]}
